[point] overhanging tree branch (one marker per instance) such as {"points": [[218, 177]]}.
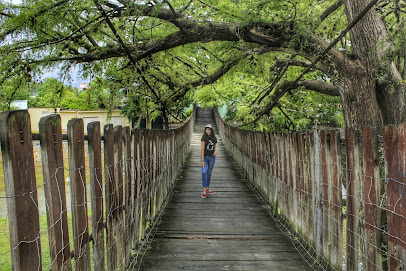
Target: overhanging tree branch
{"points": [[318, 58], [231, 62], [331, 9], [113, 29], [314, 85], [33, 16], [286, 115]]}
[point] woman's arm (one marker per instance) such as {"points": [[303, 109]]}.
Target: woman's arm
{"points": [[202, 155], [215, 150]]}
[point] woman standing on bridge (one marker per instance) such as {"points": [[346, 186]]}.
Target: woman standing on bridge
{"points": [[208, 157]]}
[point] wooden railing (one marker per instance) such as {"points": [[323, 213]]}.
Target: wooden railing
{"points": [[341, 194], [129, 177]]}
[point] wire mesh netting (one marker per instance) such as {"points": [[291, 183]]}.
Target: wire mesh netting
{"points": [[88, 203], [338, 194]]}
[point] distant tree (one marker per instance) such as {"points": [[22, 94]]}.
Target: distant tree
{"points": [[9, 92], [52, 93]]}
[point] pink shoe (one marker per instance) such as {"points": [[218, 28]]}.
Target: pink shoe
{"points": [[210, 192], [204, 195]]}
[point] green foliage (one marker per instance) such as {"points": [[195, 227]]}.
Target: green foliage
{"points": [[51, 93], [41, 35], [12, 92]]}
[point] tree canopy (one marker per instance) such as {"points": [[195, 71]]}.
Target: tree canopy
{"points": [[272, 62]]}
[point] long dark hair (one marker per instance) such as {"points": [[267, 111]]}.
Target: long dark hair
{"points": [[212, 132]]}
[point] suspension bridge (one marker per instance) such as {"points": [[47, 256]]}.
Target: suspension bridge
{"points": [[316, 200], [230, 230]]}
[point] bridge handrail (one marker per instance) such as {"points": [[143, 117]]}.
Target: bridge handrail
{"points": [[129, 179], [342, 202]]}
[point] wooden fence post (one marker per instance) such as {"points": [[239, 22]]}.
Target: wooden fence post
{"points": [[395, 164], [21, 191], [136, 215], [111, 204], [118, 222], [325, 198], [153, 178], [275, 179], [295, 179], [336, 200], [310, 188], [128, 192], [76, 147], [284, 178], [300, 178], [55, 194], [159, 164], [96, 184], [353, 184], [371, 198], [144, 183], [279, 170], [318, 189]]}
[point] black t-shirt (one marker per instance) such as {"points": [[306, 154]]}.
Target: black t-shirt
{"points": [[209, 144]]}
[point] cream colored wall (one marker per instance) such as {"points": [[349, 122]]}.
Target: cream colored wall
{"points": [[88, 116]]}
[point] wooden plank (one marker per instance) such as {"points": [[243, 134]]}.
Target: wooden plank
{"points": [[300, 185], [154, 184], [284, 178], [231, 227], [96, 185], [318, 190], [309, 188], [76, 148], [149, 180], [325, 188], [118, 219], [143, 183], [395, 165], [290, 156], [111, 201], [295, 212], [21, 191], [160, 165], [55, 194], [353, 184], [168, 160], [128, 160], [268, 156], [371, 198], [260, 265], [279, 173], [336, 201], [136, 215]]}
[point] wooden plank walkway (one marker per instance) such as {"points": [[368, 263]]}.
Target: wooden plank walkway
{"points": [[230, 230]]}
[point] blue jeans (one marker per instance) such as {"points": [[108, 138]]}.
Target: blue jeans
{"points": [[206, 177]]}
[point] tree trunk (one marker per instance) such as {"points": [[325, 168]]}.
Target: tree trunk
{"points": [[359, 100], [365, 102], [165, 119]]}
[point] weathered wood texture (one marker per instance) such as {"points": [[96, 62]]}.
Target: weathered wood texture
{"points": [[127, 170], [305, 181], [395, 164], [96, 186], [372, 199], [76, 150], [302, 175], [55, 194], [230, 230], [110, 196], [128, 188], [21, 190]]}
